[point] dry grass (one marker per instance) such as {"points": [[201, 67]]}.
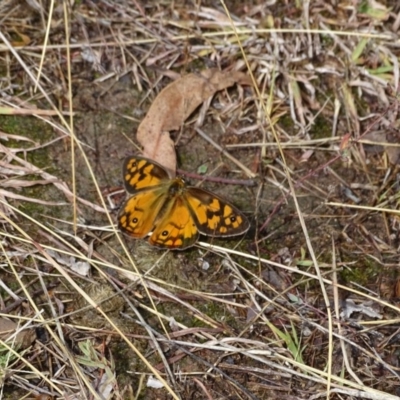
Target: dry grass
{"points": [[305, 306]]}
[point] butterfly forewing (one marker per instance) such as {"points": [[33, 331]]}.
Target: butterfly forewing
{"points": [[139, 173], [213, 215]]}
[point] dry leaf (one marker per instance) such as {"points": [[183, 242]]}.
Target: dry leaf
{"points": [[173, 105], [23, 338], [365, 308], [378, 140], [24, 39], [154, 383]]}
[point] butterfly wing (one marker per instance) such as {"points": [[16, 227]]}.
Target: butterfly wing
{"points": [[176, 228], [140, 173], [213, 215], [138, 214], [149, 183]]}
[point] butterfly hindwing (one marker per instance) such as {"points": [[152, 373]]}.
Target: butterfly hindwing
{"points": [[213, 215], [175, 229], [138, 214]]}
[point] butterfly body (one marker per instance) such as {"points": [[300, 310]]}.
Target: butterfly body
{"points": [[168, 210]]}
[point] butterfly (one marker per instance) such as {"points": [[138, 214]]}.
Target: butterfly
{"points": [[170, 212]]}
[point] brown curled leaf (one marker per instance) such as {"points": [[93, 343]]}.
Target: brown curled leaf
{"points": [[173, 106]]}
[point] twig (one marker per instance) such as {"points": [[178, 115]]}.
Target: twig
{"points": [[242, 182]]}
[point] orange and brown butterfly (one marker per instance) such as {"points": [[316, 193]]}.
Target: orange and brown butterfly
{"points": [[168, 210]]}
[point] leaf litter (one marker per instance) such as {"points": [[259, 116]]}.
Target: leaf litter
{"points": [[254, 324]]}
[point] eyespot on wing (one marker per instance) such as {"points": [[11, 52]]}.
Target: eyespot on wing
{"points": [[176, 228], [139, 213]]}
